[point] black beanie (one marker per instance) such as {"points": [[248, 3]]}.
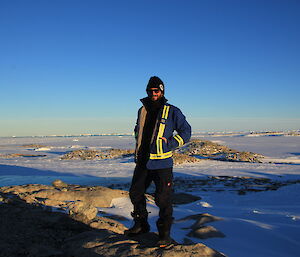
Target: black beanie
{"points": [[156, 82]]}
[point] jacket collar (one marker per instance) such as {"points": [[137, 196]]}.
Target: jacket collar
{"points": [[147, 102]]}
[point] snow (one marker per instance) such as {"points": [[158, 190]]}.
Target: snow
{"points": [[43, 149], [259, 224]]}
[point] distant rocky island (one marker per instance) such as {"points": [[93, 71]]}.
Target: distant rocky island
{"points": [[194, 151]]}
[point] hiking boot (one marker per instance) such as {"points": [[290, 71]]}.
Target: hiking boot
{"points": [[163, 242], [164, 227], [140, 226]]}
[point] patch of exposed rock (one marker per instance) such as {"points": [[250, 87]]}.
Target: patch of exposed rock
{"points": [[33, 146], [16, 155], [62, 193], [241, 185], [82, 211], [104, 243], [199, 229], [59, 184], [181, 158], [211, 150], [205, 232], [86, 154]]}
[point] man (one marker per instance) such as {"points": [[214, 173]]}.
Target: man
{"points": [[157, 120]]}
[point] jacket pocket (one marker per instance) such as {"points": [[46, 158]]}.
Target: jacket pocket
{"points": [[166, 146]]}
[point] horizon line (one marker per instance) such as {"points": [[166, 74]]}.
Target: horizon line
{"points": [[249, 132]]}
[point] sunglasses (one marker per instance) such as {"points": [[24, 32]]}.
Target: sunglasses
{"points": [[151, 91]]}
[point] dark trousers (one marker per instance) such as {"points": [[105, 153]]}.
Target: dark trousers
{"points": [[162, 179]]}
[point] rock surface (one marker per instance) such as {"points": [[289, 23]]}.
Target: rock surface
{"points": [[199, 229], [205, 232], [82, 211], [105, 244], [96, 195], [181, 158], [29, 227]]}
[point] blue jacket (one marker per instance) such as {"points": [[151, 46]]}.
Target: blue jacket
{"points": [[169, 119]]}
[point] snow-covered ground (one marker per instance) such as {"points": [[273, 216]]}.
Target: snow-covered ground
{"points": [[265, 223]]}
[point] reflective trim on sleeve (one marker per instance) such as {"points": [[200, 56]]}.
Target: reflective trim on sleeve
{"points": [[179, 140]]}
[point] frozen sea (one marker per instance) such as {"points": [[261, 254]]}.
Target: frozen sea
{"points": [[261, 224]]}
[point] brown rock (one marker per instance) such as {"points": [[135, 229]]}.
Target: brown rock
{"points": [[59, 183], [205, 232], [109, 224], [201, 218], [204, 218], [96, 196], [211, 150], [54, 203], [82, 211], [87, 154], [30, 188], [180, 158]]}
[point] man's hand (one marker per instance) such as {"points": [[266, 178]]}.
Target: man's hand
{"points": [[163, 138]]}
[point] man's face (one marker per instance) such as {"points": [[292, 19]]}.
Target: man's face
{"points": [[154, 94]]}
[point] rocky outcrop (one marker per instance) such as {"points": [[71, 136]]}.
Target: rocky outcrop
{"points": [[192, 152], [86, 154], [17, 155], [29, 226], [199, 229], [181, 158], [33, 146], [59, 184], [205, 232], [211, 150], [104, 243], [240, 185], [82, 211], [61, 194]]}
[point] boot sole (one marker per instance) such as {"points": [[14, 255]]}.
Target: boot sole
{"points": [[172, 242], [164, 246], [136, 234]]}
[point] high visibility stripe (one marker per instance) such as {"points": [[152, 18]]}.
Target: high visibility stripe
{"points": [[158, 145], [165, 112], [161, 130], [161, 156], [179, 140], [159, 140]]}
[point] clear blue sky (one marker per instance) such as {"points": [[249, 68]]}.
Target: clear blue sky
{"points": [[70, 66]]}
